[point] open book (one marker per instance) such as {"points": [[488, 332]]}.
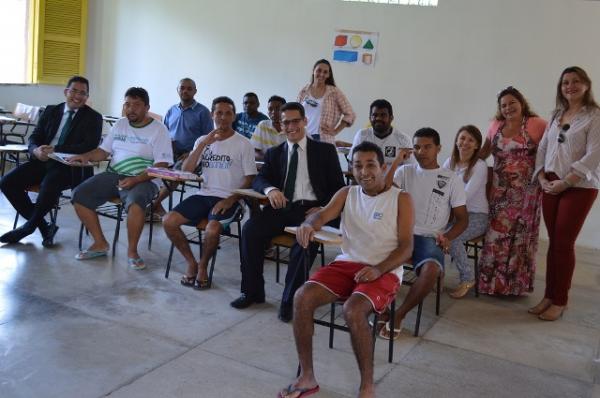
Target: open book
{"points": [[171, 173], [62, 158]]}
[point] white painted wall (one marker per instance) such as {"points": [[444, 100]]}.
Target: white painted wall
{"points": [[440, 67]]}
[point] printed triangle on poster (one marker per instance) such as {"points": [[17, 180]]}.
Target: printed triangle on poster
{"points": [[368, 45]]}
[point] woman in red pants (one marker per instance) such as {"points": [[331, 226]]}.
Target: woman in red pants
{"points": [[568, 161]]}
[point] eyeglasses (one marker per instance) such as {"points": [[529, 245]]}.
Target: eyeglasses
{"points": [[563, 130], [77, 92], [291, 121], [311, 102]]}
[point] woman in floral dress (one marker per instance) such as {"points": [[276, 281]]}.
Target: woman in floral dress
{"points": [[507, 264]]}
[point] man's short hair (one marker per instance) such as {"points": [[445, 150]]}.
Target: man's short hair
{"points": [[138, 92], [277, 99], [222, 100], [188, 79], [293, 106], [79, 79], [251, 94], [428, 132], [367, 146], [381, 104]]}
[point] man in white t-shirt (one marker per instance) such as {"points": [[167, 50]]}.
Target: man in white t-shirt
{"points": [[439, 196], [391, 141], [377, 224], [227, 163], [134, 143], [268, 133]]}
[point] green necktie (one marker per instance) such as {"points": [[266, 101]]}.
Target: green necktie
{"points": [[65, 129], [290, 181]]}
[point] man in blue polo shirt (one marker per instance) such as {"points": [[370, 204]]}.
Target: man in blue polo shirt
{"points": [[186, 121]]}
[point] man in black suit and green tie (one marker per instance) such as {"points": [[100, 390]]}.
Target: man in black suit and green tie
{"points": [[70, 127], [298, 176]]}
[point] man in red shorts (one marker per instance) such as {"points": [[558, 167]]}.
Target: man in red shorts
{"points": [[377, 237]]}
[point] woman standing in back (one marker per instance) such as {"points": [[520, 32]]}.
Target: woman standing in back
{"points": [[568, 161], [327, 108], [507, 264]]}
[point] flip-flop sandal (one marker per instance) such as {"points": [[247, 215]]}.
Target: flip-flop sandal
{"points": [[304, 392], [385, 332], [380, 324], [201, 284], [89, 254], [136, 263], [187, 280]]}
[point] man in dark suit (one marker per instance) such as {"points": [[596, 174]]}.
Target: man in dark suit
{"points": [[70, 127], [298, 176]]}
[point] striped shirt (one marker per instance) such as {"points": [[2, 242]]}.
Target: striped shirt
{"points": [[265, 136]]}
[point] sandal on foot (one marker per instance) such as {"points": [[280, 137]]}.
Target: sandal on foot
{"points": [[304, 392], [540, 308], [201, 284], [462, 289], [89, 254], [187, 280], [385, 332], [136, 263], [380, 324]]}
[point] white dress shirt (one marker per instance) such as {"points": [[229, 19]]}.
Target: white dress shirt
{"points": [[303, 190], [579, 153], [54, 141]]}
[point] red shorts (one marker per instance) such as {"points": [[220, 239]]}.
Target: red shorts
{"points": [[338, 278]]}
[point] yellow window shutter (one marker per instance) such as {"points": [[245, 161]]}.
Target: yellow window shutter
{"points": [[59, 39]]}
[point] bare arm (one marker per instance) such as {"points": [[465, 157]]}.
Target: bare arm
{"points": [[486, 149], [225, 204], [461, 217], [316, 220], [130, 182], [95, 155], [189, 164]]}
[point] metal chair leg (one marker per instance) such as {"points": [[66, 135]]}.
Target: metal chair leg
{"points": [[418, 323]]}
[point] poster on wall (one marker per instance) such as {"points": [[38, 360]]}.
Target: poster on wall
{"points": [[355, 47]]}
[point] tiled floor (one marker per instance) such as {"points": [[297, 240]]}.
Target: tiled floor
{"points": [[96, 328]]}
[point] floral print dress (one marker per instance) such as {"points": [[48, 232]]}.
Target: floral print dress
{"points": [[507, 264]]}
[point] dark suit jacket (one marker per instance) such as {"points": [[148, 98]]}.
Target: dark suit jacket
{"points": [[84, 133], [324, 169]]}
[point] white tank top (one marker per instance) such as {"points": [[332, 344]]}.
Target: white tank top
{"points": [[370, 227]]}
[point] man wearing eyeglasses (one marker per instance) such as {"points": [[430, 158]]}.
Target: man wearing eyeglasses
{"points": [[70, 127], [298, 177]]}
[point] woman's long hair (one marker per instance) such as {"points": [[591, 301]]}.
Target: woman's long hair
{"points": [[455, 159]]}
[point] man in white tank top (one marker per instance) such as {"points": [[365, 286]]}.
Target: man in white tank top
{"points": [[377, 237]]}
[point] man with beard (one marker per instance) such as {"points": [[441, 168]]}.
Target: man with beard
{"points": [[134, 143], [391, 141]]}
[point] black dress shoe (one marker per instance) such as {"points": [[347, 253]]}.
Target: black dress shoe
{"points": [[48, 233], [286, 313], [245, 301], [16, 235]]}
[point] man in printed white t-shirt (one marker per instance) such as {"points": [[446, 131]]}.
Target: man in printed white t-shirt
{"points": [[392, 142], [439, 196], [134, 143], [227, 163]]}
